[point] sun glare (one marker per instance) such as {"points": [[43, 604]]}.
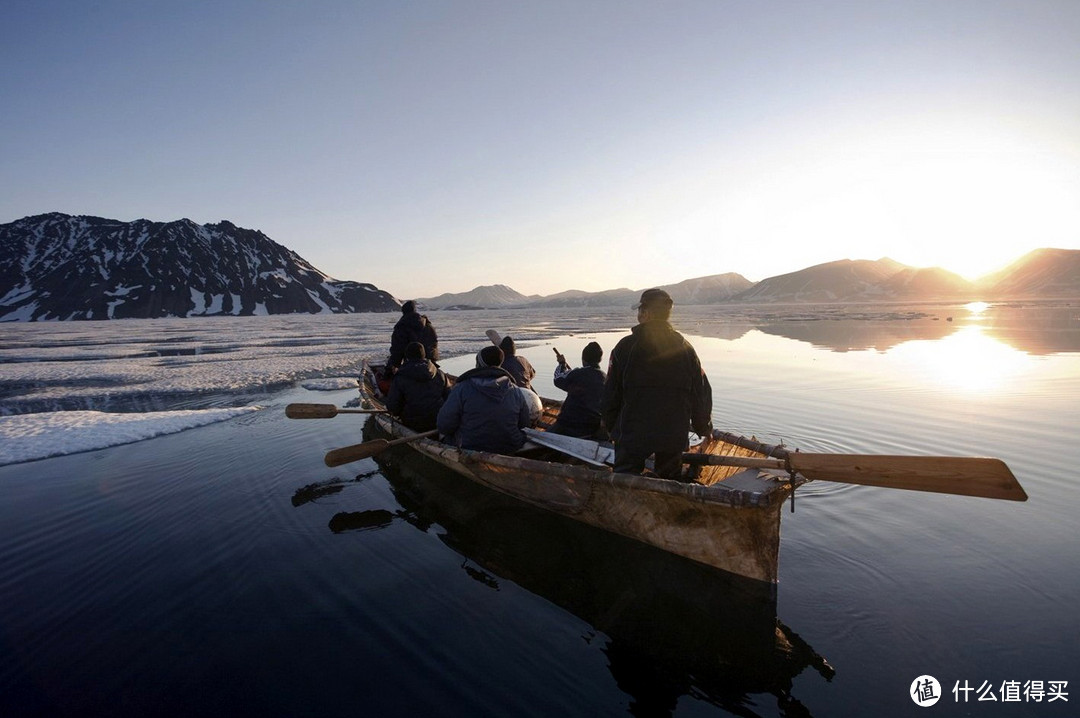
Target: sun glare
{"points": [[928, 194], [968, 361]]}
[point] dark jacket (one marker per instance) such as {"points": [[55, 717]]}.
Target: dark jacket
{"points": [[520, 369], [656, 390], [413, 327], [485, 411], [417, 393], [580, 413]]}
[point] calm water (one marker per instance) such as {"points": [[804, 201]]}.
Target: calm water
{"points": [[226, 571]]}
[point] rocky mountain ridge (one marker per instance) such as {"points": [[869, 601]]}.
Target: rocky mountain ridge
{"points": [[1040, 274], [58, 266]]}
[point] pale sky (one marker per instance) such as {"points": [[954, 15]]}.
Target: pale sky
{"points": [[431, 147]]}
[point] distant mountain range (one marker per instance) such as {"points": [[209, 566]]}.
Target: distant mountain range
{"points": [[704, 290], [1040, 274], [58, 266]]}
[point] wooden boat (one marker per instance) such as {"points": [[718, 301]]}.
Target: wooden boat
{"points": [[727, 516]]}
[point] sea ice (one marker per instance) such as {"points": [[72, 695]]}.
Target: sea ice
{"points": [[26, 437]]}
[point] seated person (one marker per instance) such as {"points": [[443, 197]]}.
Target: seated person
{"points": [[518, 367], [418, 390], [412, 327], [584, 387], [485, 410]]}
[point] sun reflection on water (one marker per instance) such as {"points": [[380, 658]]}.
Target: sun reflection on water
{"points": [[969, 360]]}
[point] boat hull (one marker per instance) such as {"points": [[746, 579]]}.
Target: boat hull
{"points": [[731, 524], [651, 606], [726, 529]]}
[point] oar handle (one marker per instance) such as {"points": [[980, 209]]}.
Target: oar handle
{"points": [[745, 461], [356, 452]]}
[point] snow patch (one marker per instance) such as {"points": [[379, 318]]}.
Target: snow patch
{"points": [[27, 437], [331, 383], [22, 314], [17, 293], [318, 300], [198, 299]]}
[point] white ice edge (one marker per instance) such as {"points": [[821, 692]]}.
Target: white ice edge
{"points": [[331, 383], [27, 437]]}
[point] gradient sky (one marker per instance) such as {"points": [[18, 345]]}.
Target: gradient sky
{"points": [[431, 147]]}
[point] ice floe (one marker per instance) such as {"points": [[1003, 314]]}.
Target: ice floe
{"points": [[331, 383], [26, 437]]}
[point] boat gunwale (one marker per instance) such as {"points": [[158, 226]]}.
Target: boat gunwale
{"points": [[766, 496]]}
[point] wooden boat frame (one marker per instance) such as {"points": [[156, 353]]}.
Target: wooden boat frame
{"points": [[728, 518]]}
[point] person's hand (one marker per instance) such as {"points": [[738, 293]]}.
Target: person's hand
{"points": [[561, 359]]}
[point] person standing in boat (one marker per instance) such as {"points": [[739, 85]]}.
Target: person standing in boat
{"points": [[418, 390], [517, 366], [655, 392], [412, 327], [584, 387], [486, 410]]}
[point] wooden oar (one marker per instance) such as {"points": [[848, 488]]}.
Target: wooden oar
{"points": [[964, 476], [323, 411], [347, 454]]}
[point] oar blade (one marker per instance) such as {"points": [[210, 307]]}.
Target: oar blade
{"points": [[591, 452], [965, 476], [356, 452], [311, 411]]}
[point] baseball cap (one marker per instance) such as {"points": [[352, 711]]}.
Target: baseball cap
{"points": [[654, 297]]}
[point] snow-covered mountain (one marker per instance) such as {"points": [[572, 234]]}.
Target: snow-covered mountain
{"points": [[927, 283], [58, 266], [495, 296], [578, 298], [1041, 273], [842, 280], [713, 289], [703, 290]]}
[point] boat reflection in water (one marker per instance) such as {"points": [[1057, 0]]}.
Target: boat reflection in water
{"points": [[669, 626]]}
